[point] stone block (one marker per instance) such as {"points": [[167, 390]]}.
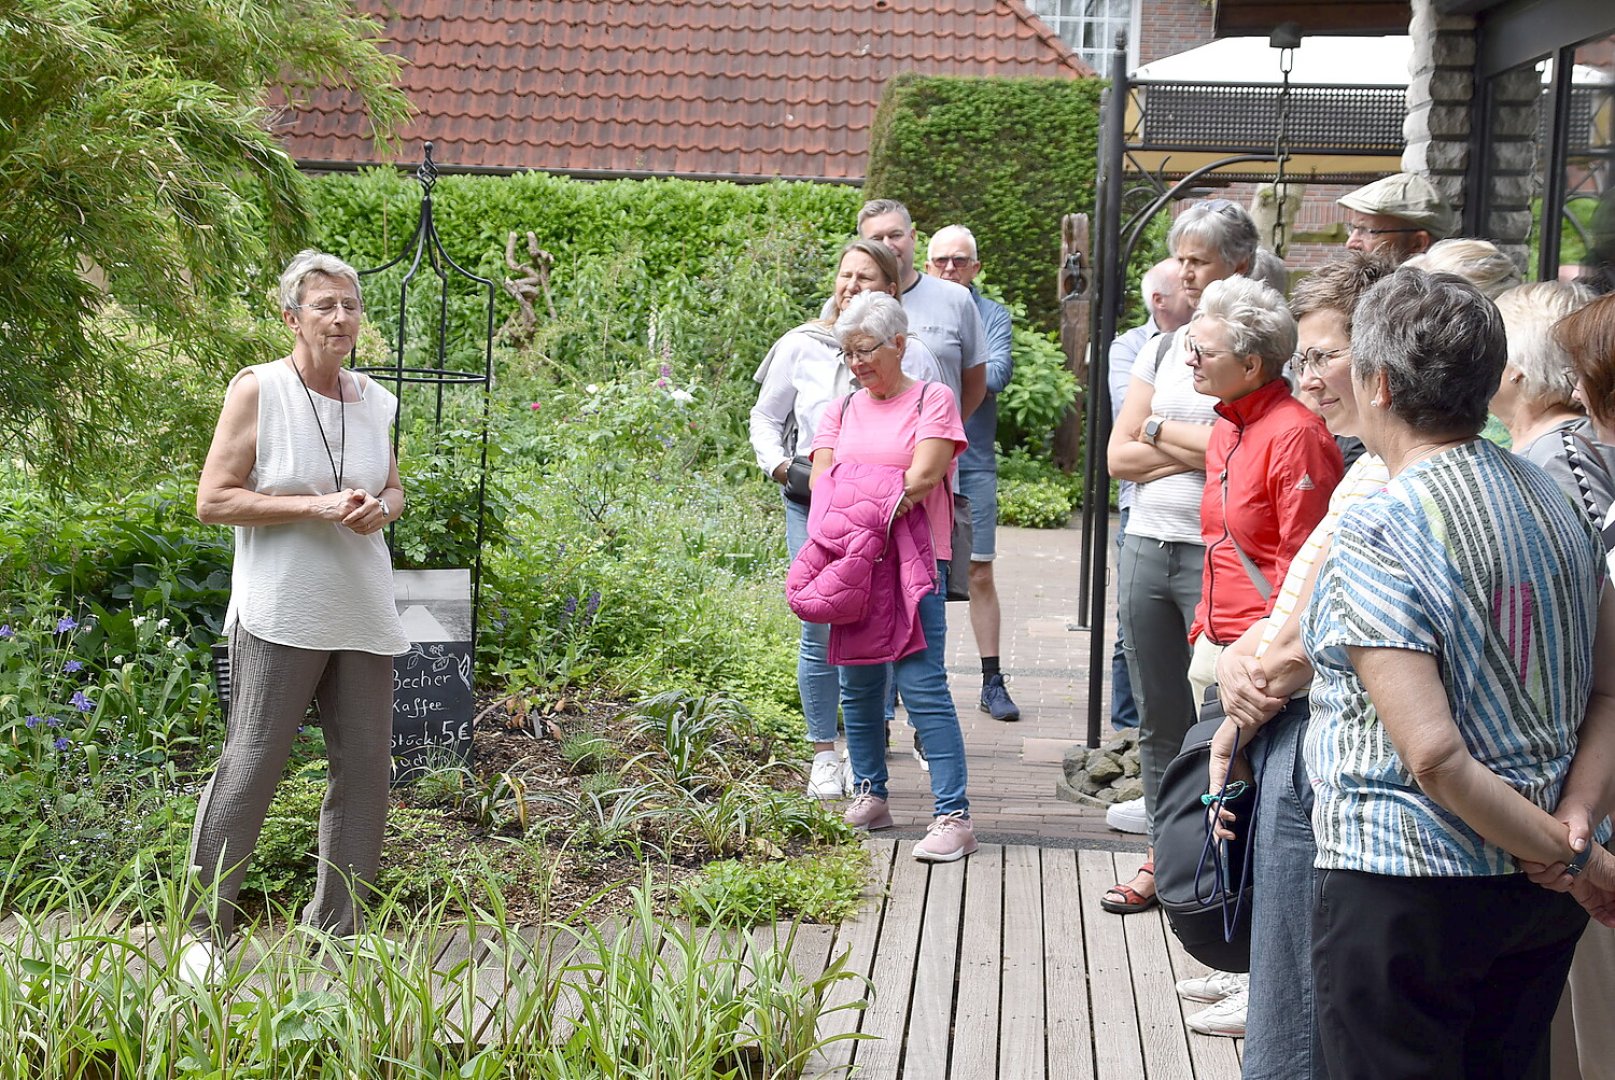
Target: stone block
{"points": [[1105, 770], [1436, 122], [1516, 87], [1126, 790], [1514, 122], [1436, 156], [1508, 226], [1516, 189]]}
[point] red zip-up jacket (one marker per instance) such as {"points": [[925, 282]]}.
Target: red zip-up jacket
{"points": [[1278, 464]]}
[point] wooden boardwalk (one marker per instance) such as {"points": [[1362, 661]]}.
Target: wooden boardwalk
{"points": [[1004, 967]]}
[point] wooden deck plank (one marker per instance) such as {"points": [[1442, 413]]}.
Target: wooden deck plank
{"points": [[1214, 1057], [1021, 1045], [930, 1021], [1160, 1020], [1117, 1053], [893, 976], [1065, 970], [981, 958], [856, 938]]}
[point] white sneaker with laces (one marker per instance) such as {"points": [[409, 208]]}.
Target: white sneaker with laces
{"points": [[1213, 987], [825, 779], [1128, 816], [1226, 1018], [200, 963]]}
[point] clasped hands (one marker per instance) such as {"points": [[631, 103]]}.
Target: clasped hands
{"points": [[355, 509]]}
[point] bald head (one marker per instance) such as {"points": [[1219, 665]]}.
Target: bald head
{"points": [[1164, 296]]}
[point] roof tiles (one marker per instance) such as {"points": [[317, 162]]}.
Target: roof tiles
{"points": [[741, 88]]}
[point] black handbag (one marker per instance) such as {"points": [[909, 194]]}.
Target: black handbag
{"points": [[964, 536], [1205, 885], [796, 480]]}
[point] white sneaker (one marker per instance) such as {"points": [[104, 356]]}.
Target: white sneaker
{"points": [[200, 963], [825, 780], [1213, 987], [1128, 816], [1226, 1018]]}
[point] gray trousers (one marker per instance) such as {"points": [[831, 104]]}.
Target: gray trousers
{"points": [[1159, 588], [271, 687]]}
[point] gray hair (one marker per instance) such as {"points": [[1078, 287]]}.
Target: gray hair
{"points": [[306, 262], [872, 314], [1269, 269], [1256, 317], [1529, 312], [1222, 224], [877, 207], [953, 232], [1476, 261], [1440, 342]]}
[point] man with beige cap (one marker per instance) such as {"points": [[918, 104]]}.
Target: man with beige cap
{"points": [[1399, 216]]}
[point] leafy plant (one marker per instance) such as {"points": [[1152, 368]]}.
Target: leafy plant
{"points": [[814, 888]]}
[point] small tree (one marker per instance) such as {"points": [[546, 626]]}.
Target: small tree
{"points": [[143, 200]]}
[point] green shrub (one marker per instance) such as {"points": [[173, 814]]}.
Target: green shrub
{"points": [[814, 888], [1007, 157], [1034, 494]]}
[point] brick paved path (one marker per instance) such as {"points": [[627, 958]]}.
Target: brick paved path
{"points": [[1013, 766]]}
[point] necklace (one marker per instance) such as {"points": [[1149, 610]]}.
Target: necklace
{"points": [[342, 445]]}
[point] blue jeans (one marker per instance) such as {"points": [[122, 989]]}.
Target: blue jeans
{"points": [[816, 680], [923, 682], [1281, 1024], [1123, 709]]}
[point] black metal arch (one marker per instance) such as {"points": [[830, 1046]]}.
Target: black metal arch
{"points": [[426, 246]]}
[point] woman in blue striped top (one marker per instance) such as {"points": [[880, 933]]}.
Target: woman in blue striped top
{"points": [[1452, 629]]}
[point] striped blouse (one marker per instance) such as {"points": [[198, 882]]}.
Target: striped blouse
{"points": [[1475, 556]]}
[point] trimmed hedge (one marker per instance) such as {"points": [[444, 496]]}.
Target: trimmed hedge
{"points": [[1007, 157]]}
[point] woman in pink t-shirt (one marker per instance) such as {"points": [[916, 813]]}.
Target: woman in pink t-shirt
{"points": [[914, 425]]}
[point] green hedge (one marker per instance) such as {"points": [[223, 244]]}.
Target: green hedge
{"points": [[1007, 157]]}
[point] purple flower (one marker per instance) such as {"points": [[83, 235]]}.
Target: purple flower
{"points": [[594, 603], [34, 721], [80, 702], [51, 721], [73, 666], [661, 382], [62, 743], [666, 370], [6, 631], [571, 605], [66, 624]]}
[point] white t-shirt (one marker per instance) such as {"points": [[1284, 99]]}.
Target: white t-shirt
{"points": [[1169, 508], [316, 584]]}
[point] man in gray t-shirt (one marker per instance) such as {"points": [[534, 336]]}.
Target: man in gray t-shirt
{"points": [[940, 313]]}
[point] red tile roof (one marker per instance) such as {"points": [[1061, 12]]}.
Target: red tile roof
{"points": [[726, 88]]}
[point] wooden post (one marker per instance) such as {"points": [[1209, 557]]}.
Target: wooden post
{"points": [[1076, 295]]}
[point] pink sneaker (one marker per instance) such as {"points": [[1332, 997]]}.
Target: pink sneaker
{"points": [[868, 812], [950, 838]]}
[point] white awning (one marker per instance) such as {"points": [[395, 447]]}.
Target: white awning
{"points": [[1319, 61]]}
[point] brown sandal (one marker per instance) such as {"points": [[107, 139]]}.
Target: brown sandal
{"points": [[1132, 901]]}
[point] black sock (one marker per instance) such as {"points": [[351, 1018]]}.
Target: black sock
{"points": [[989, 668]]}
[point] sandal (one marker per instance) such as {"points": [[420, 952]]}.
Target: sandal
{"points": [[1132, 901]]}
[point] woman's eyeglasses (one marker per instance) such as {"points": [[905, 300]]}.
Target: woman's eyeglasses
{"points": [[850, 355], [1314, 359], [325, 309], [1200, 352]]}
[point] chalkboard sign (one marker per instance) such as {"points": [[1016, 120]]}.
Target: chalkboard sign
{"points": [[432, 693], [432, 706]]}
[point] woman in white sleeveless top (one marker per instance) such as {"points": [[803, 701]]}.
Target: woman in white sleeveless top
{"points": [[302, 465]]}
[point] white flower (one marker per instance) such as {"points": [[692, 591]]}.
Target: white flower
{"points": [[174, 642], [139, 620], [683, 397], [118, 659], [162, 624], [591, 389]]}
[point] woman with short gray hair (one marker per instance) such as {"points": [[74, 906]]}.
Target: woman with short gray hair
{"points": [[302, 466], [1536, 397], [1452, 629]]}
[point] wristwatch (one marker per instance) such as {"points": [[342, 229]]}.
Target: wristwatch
{"points": [[1152, 428], [1579, 863], [385, 513]]}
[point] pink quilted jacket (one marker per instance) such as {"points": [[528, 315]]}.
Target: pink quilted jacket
{"points": [[861, 570]]}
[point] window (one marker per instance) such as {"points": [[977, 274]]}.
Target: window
{"points": [[1089, 26]]}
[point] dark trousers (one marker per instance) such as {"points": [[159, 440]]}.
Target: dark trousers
{"points": [[1438, 978]]}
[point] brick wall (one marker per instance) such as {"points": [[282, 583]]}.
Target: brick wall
{"points": [[1169, 27]]}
